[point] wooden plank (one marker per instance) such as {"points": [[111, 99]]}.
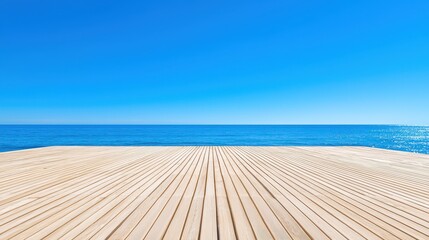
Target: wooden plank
{"points": [[163, 221], [225, 222], [209, 220], [95, 217], [148, 209], [213, 193], [191, 229]]}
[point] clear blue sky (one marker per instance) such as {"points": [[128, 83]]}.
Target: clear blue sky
{"points": [[327, 62]]}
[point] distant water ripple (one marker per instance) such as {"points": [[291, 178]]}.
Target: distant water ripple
{"points": [[405, 138]]}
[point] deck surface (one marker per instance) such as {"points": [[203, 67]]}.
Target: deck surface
{"points": [[214, 193]]}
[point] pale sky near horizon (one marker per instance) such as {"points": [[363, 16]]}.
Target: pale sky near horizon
{"points": [[214, 62]]}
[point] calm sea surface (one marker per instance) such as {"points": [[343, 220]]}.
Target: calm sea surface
{"points": [[406, 138]]}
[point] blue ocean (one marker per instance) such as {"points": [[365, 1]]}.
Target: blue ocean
{"points": [[405, 138]]}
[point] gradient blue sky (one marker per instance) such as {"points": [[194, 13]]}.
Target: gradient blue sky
{"points": [[278, 62]]}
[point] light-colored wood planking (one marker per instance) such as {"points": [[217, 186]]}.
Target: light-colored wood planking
{"points": [[199, 192]]}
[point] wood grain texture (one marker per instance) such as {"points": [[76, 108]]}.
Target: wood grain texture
{"points": [[199, 192]]}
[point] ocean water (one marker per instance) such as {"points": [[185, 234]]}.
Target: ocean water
{"points": [[405, 138]]}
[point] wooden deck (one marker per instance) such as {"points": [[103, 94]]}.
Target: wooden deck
{"points": [[214, 192]]}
